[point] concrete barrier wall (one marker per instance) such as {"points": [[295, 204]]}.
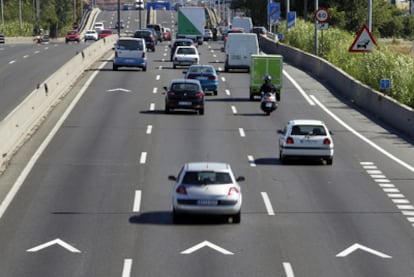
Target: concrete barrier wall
{"points": [[23, 120], [382, 107]]}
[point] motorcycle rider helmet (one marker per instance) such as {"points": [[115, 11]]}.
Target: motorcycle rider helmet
{"points": [[268, 78]]}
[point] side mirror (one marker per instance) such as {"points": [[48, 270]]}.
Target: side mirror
{"points": [[331, 132], [240, 179], [184, 72], [165, 88], [280, 131], [172, 178]]}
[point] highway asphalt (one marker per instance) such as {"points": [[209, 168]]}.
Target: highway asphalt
{"points": [[97, 201]]}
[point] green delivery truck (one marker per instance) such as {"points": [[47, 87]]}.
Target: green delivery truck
{"points": [[262, 65]]}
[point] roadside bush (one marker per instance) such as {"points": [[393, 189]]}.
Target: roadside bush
{"points": [[369, 68]]}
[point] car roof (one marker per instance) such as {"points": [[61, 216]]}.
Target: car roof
{"points": [[182, 80], [184, 39], [201, 166], [129, 38], [306, 122]]}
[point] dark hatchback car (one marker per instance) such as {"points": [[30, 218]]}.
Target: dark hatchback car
{"points": [[148, 37], [159, 29], [184, 94], [179, 42]]}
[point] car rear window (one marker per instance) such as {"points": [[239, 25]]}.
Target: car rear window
{"points": [[186, 51], [311, 130], [187, 87], [201, 69], [183, 43], [206, 177], [130, 45]]}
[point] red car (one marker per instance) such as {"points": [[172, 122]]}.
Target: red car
{"points": [[72, 35], [105, 32]]}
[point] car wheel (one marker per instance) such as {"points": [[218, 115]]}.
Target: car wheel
{"points": [[215, 93], [144, 68], [176, 217], [167, 109], [236, 218], [282, 158], [329, 161], [114, 67], [174, 66], [201, 111]]}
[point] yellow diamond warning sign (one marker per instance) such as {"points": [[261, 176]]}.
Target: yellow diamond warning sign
{"points": [[364, 41]]}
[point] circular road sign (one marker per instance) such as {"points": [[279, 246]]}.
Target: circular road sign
{"points": [[321, 15]]}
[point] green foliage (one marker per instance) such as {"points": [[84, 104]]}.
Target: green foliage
{"points": [[369, 68]]}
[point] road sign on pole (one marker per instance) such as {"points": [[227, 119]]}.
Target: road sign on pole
{"points": [[291, 20], [364, 41]]}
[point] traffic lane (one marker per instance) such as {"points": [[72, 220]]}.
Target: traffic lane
{"points": [[307, 178], [96, 180], [37, 62]]}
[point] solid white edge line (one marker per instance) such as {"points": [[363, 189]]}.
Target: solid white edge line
{"points": [[137, 201], [23, 175], [267, 203], [299, 88], [383, 151], [126, 271], [288, 270]]}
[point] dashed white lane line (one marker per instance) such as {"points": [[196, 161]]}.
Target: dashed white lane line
{"points": [[233, 109], [152, 107], [126, 271], [288, 270], [228, 92], [12, 62], [250, 158], [267, 203], [242, 133], [223, 79], [143, 158], [154, 90], [157, 77], [149, 129], [137, 202]]}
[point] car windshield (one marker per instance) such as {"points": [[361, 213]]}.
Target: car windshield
{"points": [[188, 51], [206, 178], [130, 45], [308, 130], [187, 87]]}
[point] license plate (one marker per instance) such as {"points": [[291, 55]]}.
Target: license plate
{"points": [[205, 202], [268, 105], [184, 103], [308, 141], [202, 78]]}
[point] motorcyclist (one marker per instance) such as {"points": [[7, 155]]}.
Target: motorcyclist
{"points": [[268, 87]]}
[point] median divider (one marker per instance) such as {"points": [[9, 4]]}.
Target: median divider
{"points": [[398, 116], [19, 125]]}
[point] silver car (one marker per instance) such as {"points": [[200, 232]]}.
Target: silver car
{"points": [[207, 188], [306, 138]]}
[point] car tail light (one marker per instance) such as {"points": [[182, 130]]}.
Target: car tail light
{"points": [[181, 190], [212, 77], [232, 191], [170, 93], [289, 140], [200, 95], [327, 141], [191, 76], [152, 38], [143, 55], [116, 54]]}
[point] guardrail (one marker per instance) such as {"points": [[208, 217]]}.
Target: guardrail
{"points": [[18, 126], [396, 115]]}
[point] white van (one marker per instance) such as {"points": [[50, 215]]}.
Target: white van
{"points": [[239, 48], [99, 26], [242, 22]]}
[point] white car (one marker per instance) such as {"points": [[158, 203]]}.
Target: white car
{"points": [[99, 26], [185, 56], [306, 138], [207, 188], [91, 35]]}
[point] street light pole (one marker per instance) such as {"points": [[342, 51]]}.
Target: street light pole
{"points": [[370, 15]]}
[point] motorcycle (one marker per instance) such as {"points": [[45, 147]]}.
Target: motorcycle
{"points": [[268, 103]]}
